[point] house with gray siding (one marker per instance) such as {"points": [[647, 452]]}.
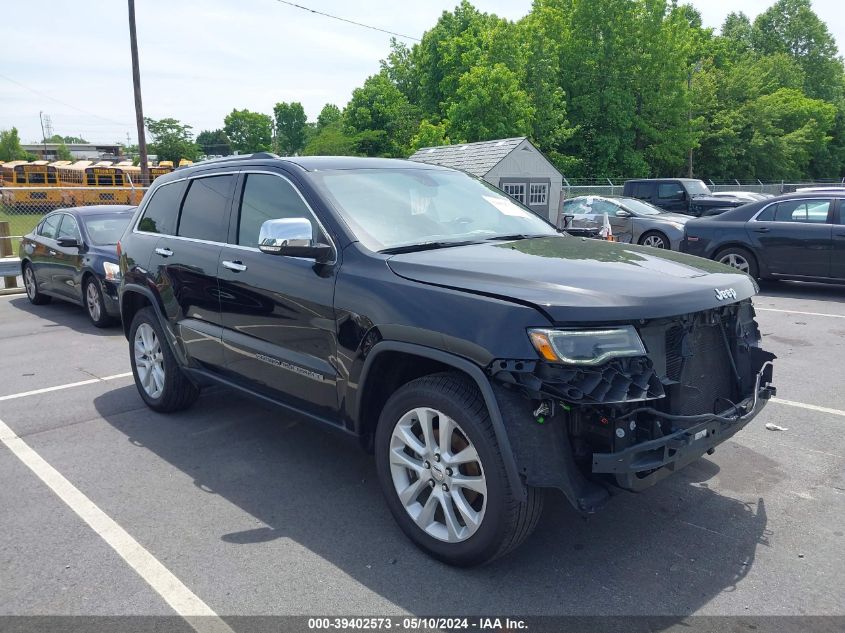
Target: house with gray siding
{"points": [[513, 165]]}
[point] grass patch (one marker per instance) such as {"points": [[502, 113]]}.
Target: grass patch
{"points": [[19, 223]]}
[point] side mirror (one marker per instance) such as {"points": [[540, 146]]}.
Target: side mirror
{"points": [[681, 195], [68, 242], [293, 237], [622, 213]]}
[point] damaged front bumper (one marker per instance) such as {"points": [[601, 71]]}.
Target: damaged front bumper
{"points": [[644, 464]]}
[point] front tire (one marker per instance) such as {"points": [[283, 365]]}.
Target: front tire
{"points": [[94, 304], [655, 239], [35, 296], [443, 475], [159, 379]]}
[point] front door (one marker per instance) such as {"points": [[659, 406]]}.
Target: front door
{"points": [[67, 262], [278, 319], [795, 237]]}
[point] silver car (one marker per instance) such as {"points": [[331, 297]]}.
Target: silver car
{"points": [[631, 220]]}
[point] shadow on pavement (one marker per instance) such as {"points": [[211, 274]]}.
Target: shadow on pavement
{"points": [[803, 290], [63, 314], [669, 550]]}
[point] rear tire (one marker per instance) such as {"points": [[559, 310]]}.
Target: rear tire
{"points": [[35, 296], [462, 526], [159, 379], [739, 258]]}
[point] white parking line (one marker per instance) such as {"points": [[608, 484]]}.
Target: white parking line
{"points": [[198, 614], [822, 314], [69, 385], [811, 407]]}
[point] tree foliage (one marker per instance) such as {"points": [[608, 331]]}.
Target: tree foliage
{"points": [[291, 127], [214, 142], [248, 131], [10, 146], [171, 140]]}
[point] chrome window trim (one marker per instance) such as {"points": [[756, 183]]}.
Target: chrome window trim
{"points": [[832, 200], [143, 210]]}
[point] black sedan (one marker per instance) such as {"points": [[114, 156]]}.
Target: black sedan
{"points": [[72, 255], [798, 236]]}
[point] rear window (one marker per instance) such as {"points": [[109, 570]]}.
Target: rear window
{"points": [[205, 212], [162, 210], [48, 227], [805, 211], [106, 229]]}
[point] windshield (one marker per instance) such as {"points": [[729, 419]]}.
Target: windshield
{"points": [[697, 188], [389, 208], [639, 207], [105, 229]]}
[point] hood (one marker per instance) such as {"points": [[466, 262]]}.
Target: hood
{"points": [[106, 251], [572, 279], [713, 201]]}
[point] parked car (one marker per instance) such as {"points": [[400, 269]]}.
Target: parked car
{"points": [[745, 196], [71, 255], [830, 190], [479, 353], [682, 195], [631, 220], [795, 236]]}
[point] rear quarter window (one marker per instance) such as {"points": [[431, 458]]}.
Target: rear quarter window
{"points": [[162, 210]]}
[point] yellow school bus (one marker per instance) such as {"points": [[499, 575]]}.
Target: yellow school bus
{"points": [[31, 185]]}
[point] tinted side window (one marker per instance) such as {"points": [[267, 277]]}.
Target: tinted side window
{"points": [[670, 191], [49, 226], [68, 227], [205, 212], [768, 214], [807, 211], [162, 210], [266, 197]]}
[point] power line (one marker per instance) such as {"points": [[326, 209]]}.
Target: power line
{"points": [[340, 19], [73, 107]]}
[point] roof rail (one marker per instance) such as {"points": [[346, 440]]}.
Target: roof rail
{"points": [[235, 157]]}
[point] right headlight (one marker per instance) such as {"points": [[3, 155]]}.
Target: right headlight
{"points": [[586, 347]]}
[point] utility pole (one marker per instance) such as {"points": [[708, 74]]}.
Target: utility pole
{"points": [[43, 135], [139, 110], [689, 117]]}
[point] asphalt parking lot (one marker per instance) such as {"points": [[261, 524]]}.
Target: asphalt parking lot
{"points": [[257, 514]]}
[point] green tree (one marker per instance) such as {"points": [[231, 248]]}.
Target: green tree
{"points": [[328, 115], [381, 118], [214, 142], [792, 27], [171, 140], [63, 153], [430, 135], [291, 124], [10, 146], [489, 103], [249, 131], [330, 140]]}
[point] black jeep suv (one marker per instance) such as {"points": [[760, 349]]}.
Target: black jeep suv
{"points": [[681, 195], [480, 354]]}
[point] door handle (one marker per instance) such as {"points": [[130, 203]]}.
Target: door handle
{"points": [[235, 266], [164, 252], [762, 229]]}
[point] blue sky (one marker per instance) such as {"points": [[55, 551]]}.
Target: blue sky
{"points": [[202, 58]]}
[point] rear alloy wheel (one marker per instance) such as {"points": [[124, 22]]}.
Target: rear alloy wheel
{"points": [[33, 294], [443, 474], [158, 377], [655, 239], [738, 258], [94, 303]]}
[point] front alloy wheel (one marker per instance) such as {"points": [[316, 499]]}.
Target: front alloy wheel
{"points": [[438, 475], [736, 260], [655, 240]]}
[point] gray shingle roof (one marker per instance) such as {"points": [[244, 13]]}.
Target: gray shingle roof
{"points": [[474, 158]]}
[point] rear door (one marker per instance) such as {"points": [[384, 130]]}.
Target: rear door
{"points": [[185, 264], [67, 261], [41, 250], [279, 330], [795, 237]]}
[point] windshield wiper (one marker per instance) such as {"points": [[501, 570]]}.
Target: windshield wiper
{"points": [[424, 246], [515, 236]]}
